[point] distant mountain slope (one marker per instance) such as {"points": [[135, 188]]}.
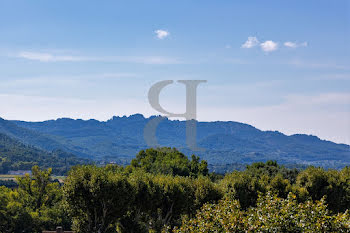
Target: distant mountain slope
{"points": [[39, 139], [120, 138], [15, 155]]}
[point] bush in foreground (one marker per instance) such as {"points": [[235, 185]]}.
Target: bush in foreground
{"points": [[272, 214]]}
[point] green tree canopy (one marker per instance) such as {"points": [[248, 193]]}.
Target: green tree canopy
{"points": [[272, 214], [169, 161], [96, 198]]}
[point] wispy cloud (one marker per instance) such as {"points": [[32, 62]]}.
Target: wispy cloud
{"points": [[251, 42], [269, 46], [318, 65], [294, 45], [50, 57], [47, 57], [153, 60], [161, 34], [62, 81]]}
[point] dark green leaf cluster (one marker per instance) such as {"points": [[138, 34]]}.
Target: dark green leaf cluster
{"points": [[169, 161], [309, 184], [111, 199]]}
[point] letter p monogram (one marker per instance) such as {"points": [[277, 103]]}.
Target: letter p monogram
{"points": [[190, 115]]}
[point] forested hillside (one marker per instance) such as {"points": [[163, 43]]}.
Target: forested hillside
{"points": [[164, 191], [38, 139], [15, 155], [119, 138]]}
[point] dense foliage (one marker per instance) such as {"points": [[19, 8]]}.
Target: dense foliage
{"points": [[163, 191], [14, 155], [35, 205], [169, 161], [272, 214]]}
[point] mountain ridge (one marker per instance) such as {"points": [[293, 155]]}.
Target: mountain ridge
{"points": [[166, 118], [120, 138]]}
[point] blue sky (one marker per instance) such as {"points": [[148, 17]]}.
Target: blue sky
{"points": [[278, 65]]}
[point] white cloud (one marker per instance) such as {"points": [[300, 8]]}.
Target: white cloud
{"points": [[269, 46], [49, 57], [293, 45], [161, 34], [290, 44], [250, 43]]}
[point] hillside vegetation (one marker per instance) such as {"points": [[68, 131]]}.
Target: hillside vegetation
{"points": [[15, 155]]}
